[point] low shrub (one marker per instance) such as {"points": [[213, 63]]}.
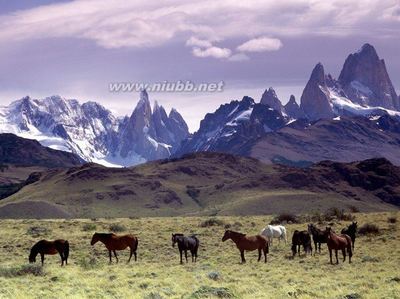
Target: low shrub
{"points": [[29, 269], [117, 228], [37, 231], [392, 219], [369, 229], [212, 292], [89, 227], [212, 222], [338, 214], [285, 218], [88, 264]]}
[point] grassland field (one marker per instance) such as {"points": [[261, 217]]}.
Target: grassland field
{"points": [[374, 273]]}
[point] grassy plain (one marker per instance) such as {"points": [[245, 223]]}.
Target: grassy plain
{"points": [[374, 272]]}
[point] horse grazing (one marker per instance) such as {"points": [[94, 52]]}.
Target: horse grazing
{"points": [[274, 231], [186, 243], [245, 243], [301, 238], [114, 242], [351, 231], [50, 247], [336, 242], [319, 236]]}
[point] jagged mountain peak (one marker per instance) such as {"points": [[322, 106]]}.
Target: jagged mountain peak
{"points": [[318, 73]]}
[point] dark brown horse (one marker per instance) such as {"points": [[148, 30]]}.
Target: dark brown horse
{"points": [[301, 238], [186, 243], [319, 237], [336, 242], [50, 247], [245, 243], [114, 242], [351, 231]]}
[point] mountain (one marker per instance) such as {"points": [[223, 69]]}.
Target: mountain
{"points": [[329, 124], [270, 99], [205, 184], [232, 125], [93, 132]]}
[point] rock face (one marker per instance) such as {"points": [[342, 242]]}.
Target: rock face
{"points": [[293, 109], [315, 98], [365, 80], [93, 133], [270, 99]]}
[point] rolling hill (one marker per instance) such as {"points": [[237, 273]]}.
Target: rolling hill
{"points": [[205, 184]]}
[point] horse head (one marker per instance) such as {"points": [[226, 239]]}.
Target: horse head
{"points": [[95, 239], [310, 228], [353, 226], [32, 257], [227, 235], [175, 238]]}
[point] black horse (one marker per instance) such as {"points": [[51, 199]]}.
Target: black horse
{"points": [[186, 243], [319, 236], [301, 238], [351, 232]]}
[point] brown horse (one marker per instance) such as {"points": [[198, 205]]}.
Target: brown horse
{"points": [[336, 242], [50, 247], [245, 243], [114, 242]]}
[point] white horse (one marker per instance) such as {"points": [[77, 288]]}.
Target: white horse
{"points": [[274, 231]]}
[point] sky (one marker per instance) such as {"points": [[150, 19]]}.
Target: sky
{"points": [[77, 48]]}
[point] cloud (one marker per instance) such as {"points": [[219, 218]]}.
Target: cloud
{"points": [[260, 44], [214, 52], [239, 57], [194, 41], [141, 24]]}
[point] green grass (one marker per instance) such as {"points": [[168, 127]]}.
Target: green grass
{"points": [[374, 272]]}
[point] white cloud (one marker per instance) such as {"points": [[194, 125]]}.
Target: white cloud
{"points": [[260, 44], [239, 57], [214, 52], [202, 43], [144, 23]]}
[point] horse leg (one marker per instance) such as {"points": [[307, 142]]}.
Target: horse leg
{"points": [[265, 254], [352, 242], [242, 256], [192, 254], [42, 258], [319, 247], [130, 255], [330, 255], [62, 258], [186, 256], [344, 254], [336, 254], [115, 254], [180, 253], [259, 254], [349, 251], [109, 254]]}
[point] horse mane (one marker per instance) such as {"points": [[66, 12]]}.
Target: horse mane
{"points": [[237, 233], [105, 234], [178, 235]]}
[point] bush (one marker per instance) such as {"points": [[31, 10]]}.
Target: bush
{"points": [[285, 218], [369, 229], [354, 209], [336, 213], [88, 264], [30, 269], [212, 292], [37, 231], [212, 222], [89, 227], [117, 228], [392, 220]]}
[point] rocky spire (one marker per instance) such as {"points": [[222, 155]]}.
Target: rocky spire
{"points": [[270, 99], [293, 109], [365, 80], [315, 98]]}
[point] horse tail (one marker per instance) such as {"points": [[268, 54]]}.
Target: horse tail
{"points": [[66, 250]]}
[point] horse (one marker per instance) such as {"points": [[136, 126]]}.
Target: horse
{"points": [[50, 247], [244, 242], [114, 242], [336, 242], [186, 243], [351, 231], [274, 231], [318, 235], [301, 238]]}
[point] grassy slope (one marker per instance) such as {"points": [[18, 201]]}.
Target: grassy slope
{"points": [[373, 273], [221, 184]]}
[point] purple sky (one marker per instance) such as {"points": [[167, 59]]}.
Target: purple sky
{"points": [[76, 48]]}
